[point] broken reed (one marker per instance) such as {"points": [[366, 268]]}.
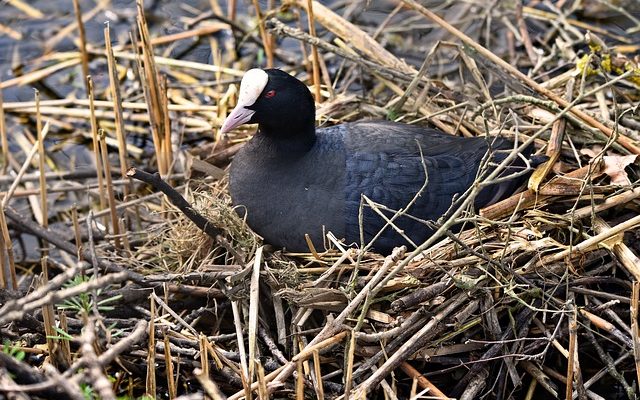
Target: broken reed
{"points": [[41, 169], [96, 147], [116, 97], [84, 56], [111, 200], [157, 108]]}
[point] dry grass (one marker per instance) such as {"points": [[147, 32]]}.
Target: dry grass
{"points": [[536, 298]]}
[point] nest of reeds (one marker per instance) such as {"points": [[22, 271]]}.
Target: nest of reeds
{"points": [[109, 289]]}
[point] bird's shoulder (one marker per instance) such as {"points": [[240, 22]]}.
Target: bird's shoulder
{"points": [[405, 139]]}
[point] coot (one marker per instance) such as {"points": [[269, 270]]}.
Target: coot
{"points": [[292, 179]]}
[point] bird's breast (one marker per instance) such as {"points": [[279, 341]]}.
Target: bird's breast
{"points": [[284, 199]]}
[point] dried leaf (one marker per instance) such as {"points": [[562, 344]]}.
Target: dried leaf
{"points": [[591, 152], [614, 167]]}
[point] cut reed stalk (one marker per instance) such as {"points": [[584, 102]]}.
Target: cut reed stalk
{"points": [[172, 390], [41, 167], [314, 52], [84, 56], [96, 146], [150, 383], [111, 200], [116, 97], [151, 85], [8, 247], [4, 271], [76, 231], [49, 320], [635, 330], [167, 149], [266, 43], [231, 10], [3, 137]]}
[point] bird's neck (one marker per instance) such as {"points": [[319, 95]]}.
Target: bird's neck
{"points": [[286, 139]]}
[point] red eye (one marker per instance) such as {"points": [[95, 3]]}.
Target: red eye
{"points": [[270, 94]]}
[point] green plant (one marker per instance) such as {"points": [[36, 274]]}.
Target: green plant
{"points": [[83, 303], [62, 335], [12, 350]]}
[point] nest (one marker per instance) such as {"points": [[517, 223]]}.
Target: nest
{"points": [[532, 297]]}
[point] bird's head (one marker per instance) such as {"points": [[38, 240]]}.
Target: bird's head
{"points": [[280, 104]]}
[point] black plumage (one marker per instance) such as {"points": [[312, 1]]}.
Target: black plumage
{"points": [[292, 179]]}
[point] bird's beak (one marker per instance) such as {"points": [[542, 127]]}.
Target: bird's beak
{"points": [[240, 115]]}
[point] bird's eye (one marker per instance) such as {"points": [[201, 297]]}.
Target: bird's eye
{"points": [[270, 94]]}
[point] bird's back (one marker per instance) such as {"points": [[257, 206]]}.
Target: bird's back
{"points": [[409, 168], [289, 195]]}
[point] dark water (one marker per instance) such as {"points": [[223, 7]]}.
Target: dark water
{"points": [[19, 56]]}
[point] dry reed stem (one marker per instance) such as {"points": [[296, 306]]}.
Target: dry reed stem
{"points": [[528, 198], [84, 57], [150, 383], [211, 27], [627, 258], [423, 382], [407, 348], [76, 231], [204, 354], [8, 247], [209, 386], [4, 278], [40, 74], [73, 187], [254, 308], [41, 167], [170, 62], [167, 150], [554, 146], [318, 385], [231, 10], [13, 34], [171, 383], [26, 8], [102, 114], [96, 145], [58, 106], [266, 42], [237, 320], [151, 85], [333, 329], [111, 199], [116, 97], [635, 332], [355, 36], [57, 355], [592, 242], [314, 52], [3, 137], [64, 343], [348, 364], [299, 381], [573, 352]]}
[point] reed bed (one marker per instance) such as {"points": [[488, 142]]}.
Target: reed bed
{"points": [[120, 283]]}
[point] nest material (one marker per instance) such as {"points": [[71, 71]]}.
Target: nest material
{"points": [[533, 292]]}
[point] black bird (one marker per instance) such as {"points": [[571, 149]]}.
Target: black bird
{"points": [[292, 179]]}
